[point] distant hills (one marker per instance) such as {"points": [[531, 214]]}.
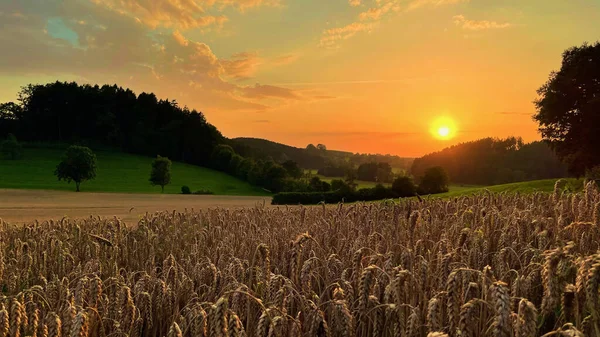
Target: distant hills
{"points": [[311, 157]]}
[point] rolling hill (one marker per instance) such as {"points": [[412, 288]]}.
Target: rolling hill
{"points": [[117, 172]]}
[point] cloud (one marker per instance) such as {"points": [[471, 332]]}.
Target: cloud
{"points": [[461, 21], [354, 3], [269, 91], [116, 48], [377, 12], [331, 36], [179, 14], [241, 65], [284, 59], [435, 3]]}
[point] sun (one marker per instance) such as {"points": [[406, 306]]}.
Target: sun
{"points": [[443, 128], [443, 131]]}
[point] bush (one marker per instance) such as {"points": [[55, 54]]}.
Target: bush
{"points": [[204, 192], [404, 187], [434, 181], [11, 148], [185, 190]]}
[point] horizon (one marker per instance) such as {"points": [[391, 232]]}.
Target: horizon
{"points": [[337, 73]]}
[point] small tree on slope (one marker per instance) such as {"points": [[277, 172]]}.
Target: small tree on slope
{"points": [[78, 165], [161, 172]]}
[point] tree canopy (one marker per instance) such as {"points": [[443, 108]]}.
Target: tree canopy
{"points": [[568, 109], [78, 165], [110, 116], [161, 172], [491, 161]]}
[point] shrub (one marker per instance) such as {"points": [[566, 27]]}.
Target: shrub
{"points": [[434, 181], [404, 187], [204, 192], [11, 148], [185, 190]]}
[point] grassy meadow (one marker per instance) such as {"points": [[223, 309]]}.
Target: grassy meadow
{"points": [[116, 172]]}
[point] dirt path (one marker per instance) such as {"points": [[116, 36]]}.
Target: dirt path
{"points": [[21, 206]]}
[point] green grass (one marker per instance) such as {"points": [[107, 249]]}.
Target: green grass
{"points": [[546, 185], [117, 172]]}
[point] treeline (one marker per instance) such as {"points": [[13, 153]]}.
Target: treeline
{"points": [[313, 156], [491, 161], [110, 116]]}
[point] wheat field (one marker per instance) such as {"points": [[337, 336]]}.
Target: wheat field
{"points": [[484, 265]]}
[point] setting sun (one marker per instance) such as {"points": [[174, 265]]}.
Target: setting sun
{"points": [[443, 131], [443, 128]]}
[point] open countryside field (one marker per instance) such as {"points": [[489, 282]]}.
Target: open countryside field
{"points": [[23, 206], [117, 172]]}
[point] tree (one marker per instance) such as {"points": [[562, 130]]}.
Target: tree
{"points": [[350, 179], [434, 181], [78, 164], [292, 169], [11, 149], [161, 172], [404, 187], [568, 109]]}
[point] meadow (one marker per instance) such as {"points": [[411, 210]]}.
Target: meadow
{"points": [[116, 172], [489, 264]]}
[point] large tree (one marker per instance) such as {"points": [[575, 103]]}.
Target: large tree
{"points": [[78, 165], [568, 109]]}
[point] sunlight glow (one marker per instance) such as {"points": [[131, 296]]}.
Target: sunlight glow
{"points": [[443, 128]]}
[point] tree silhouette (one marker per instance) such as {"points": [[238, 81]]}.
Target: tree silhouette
{"points": [[161, 172], [78, 165], [568, 110]]}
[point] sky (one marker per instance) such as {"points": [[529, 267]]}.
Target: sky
{"points": [[369, 76]]}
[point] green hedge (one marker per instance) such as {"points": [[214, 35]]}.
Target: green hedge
{"points": [[312, 198]]}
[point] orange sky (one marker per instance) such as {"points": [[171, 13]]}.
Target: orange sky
{"points": [[357, 75]]}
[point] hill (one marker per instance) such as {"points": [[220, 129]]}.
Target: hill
{"points": [[311, 157], [117, 172], [544, 185], [491, 161]]}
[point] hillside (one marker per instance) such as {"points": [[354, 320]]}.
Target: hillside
{"points": [[544, 185], [307, 159], [117, 172]]}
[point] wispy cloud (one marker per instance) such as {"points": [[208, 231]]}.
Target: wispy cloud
{"points": [[179, 14], [241, 65], [284, 59], [467, 24], [368, 19], [434, 3], [333, 35]]}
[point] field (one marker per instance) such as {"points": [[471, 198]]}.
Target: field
{"points": [[24, 206], [117, 172], [485, 265]]}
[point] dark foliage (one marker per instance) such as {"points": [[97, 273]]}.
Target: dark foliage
{"points": [[292, 168], [568, 110], [404, 186], [379, 172], [378, 192], [110, 116], [78, 164], [312, 157], [435, 180], [492, 161], [185, 190], [11, 148], [161, 172]]}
